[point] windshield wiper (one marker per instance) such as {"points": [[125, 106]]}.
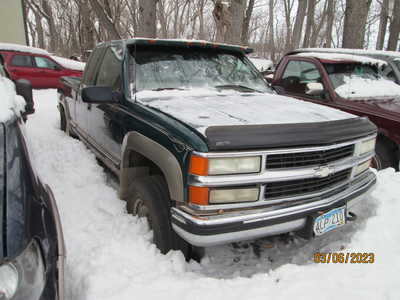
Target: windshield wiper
{"points": [[168, 89], [238, 87]]}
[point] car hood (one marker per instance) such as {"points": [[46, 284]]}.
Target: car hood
{"points": [[202, 109]]}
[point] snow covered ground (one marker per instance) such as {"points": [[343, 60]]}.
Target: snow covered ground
{"points": [[110, 255]]}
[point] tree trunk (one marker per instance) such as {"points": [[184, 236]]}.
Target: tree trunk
{"points": [[246, 22], [310, 23], [234, 31], [53, 35], [383, 20], [288, 9], [105, 20], [355, 23], [317, 29], [202, 35], [39, 30], [271, 29], [87, 31], [147, 18], [298, 24], [394, 29], [329, 25], [222, 18]]}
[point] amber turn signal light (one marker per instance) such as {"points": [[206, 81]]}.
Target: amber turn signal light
{"points": [[198, 165], [198, 195]]}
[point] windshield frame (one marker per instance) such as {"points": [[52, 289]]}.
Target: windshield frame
{"points": [[131, 65]]}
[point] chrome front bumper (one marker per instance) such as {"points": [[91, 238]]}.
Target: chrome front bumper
{"points": [[238, 225]]}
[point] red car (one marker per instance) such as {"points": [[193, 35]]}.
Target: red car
{"points": [[38, 66]]}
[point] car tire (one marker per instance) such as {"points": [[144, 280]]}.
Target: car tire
{"points": [[384, 156], [149, 198]]}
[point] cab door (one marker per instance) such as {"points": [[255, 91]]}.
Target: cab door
{"points": [[105, 120], [49, 72], [82, 109]]}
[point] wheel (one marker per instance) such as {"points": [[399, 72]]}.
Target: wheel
{"points": [[149, 198], [384, 156]]}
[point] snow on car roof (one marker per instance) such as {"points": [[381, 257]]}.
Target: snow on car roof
{"points": [[22, 48], [354, 51], [344, 57], [69, 63], [11, 104]]}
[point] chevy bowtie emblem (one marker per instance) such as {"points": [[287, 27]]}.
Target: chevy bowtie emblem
{"points": [[323, 172]]}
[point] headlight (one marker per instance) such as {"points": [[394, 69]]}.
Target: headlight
{"points": [[365, 147], [8, 281], [218, 196], [24, 277], [362, 167], [224, 166]]}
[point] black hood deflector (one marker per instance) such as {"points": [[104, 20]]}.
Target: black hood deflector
{"points": [[250, 137]]}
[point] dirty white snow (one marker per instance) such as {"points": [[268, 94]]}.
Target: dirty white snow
{"points": [[69, 63], [356, 87], [203, 108], [11, 104], [110, 255], [22, 48], [344, 57], [355, 51]]}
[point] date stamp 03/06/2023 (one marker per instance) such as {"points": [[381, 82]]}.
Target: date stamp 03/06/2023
{"points": [[344, 258]]}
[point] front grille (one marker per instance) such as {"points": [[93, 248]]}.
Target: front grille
{"points": [[304, 186], [292, 160]]}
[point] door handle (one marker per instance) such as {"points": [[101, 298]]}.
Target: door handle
{"points": [[89, 106]]}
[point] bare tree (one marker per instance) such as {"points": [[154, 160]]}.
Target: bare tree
{"points": [[233, 34], [354, 23], [298, 25], [330, 20], [103, 14], [394, 29], [246, 22], [309, 23], [147, 18], [383, 20]]}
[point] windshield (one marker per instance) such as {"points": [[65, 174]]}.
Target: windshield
{"points": [[160, 68], [341, 73]]}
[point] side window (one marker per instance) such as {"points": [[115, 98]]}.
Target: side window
{"points": [[298, 75], [109, 73], [22, 61], [44, 63], [92, 66]]}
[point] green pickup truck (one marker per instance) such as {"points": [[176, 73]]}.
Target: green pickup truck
{"points": [[207, 152]]}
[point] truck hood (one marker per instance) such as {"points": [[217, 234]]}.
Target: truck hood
{"points": [[202, 109]]}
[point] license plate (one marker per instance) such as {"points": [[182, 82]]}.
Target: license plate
{"points": [[330, 220]]}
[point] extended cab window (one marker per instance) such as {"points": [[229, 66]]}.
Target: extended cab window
{"points": [[22, 61], [298, 75], [110, 71], [44, 63], [158, 68], [89, 76]]}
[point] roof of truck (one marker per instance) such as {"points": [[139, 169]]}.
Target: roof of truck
{"points": [[364, 52], [188, 43]]}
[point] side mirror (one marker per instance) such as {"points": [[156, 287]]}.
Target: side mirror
{"points": [[315, 89], [98, 94], [24, 88]]}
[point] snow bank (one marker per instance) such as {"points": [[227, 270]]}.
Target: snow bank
{"points": [[11, 104], [22, 48], [212, 108], [69, 63], [262, 64], [345, 57], [356, 88], [110, 255]]}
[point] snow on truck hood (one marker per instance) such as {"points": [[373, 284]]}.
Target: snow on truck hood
{"points": [[205, 108]]}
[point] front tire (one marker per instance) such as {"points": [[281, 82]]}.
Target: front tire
{"points": [[384, 156], [149, 198]]}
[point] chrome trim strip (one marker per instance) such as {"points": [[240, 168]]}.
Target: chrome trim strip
{"points": [[224, 238], [273, 176], [273, 212], [281, 151]]}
